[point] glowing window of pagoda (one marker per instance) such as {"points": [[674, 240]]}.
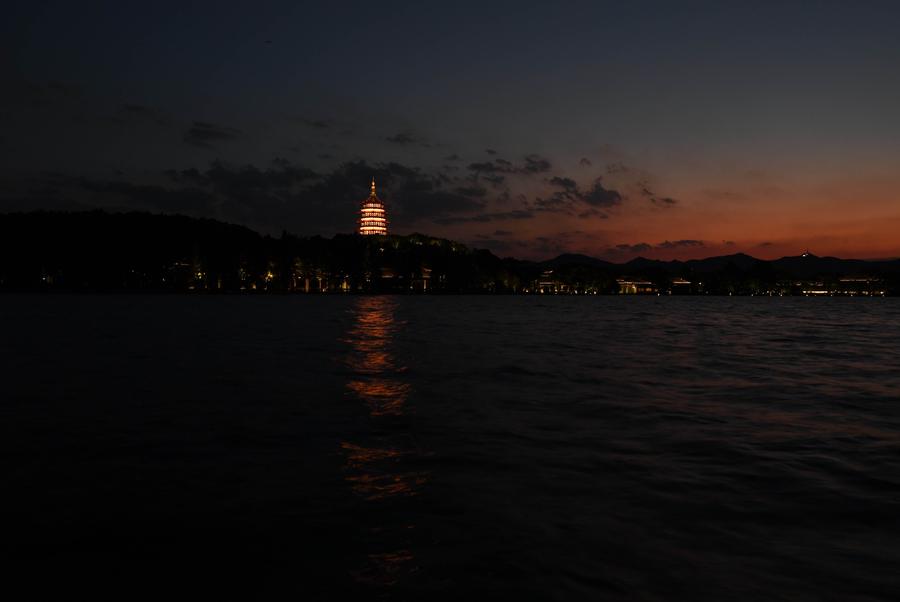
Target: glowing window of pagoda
{"points": [[373, 218]]}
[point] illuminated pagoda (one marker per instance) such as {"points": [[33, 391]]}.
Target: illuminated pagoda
{"points": [[372, 217]]}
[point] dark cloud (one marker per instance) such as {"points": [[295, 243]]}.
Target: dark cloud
{"points": [[453, 157], [190, 201], [585, 162], [494, 244], [319, 124], [724, 195], [323, 196], [432, 204], [444, 179], [728, 243], [245, 181], [536, 164], [640, 247], [623, 251], [572, 200], [533, 164], [495, 180], [29, 94], [656, 200], [559, 242], [402, 138], [598, 196], [141, 113], [205, 134], [472, 191], [487, 217], [490, 151], [280, 196], [284, 195], [565, 183], [141, 110], [410, 194], [676, 244], [487, 167], [593, 213]]}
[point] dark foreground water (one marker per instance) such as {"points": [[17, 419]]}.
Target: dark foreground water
{"points": [[430, 448]]}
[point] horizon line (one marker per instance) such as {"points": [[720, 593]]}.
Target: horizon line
{"points": [[470, 245]]}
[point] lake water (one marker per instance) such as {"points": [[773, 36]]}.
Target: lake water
{"points": [[568, 448]]}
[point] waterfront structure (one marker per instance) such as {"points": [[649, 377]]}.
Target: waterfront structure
{"points": [[679, 286], [629, 286], [372, 215]]}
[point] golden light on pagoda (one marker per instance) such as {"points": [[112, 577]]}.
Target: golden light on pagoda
{"points": [[372, 218]]}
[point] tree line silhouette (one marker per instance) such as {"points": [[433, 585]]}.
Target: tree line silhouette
{"points": [[99, 251]]}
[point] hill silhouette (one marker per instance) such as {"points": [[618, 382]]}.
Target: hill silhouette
{"points": [[98, 251]]}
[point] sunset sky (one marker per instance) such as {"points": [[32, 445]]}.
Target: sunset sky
{"points": [[661, 129]]}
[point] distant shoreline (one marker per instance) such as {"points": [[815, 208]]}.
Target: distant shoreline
{"points": [[99, 252]]}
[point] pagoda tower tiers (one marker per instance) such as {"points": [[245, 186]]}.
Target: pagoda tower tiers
{"points": [[372, 216]]}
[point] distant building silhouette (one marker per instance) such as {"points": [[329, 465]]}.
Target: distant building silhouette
{"points": [[631, 286], [373, 218]]}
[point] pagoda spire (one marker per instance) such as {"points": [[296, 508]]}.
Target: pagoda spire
{"points": [[373, 185]]}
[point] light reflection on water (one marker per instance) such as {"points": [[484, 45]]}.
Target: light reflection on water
{"points": [[374, 470], [371, 480], [377, 376]]}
